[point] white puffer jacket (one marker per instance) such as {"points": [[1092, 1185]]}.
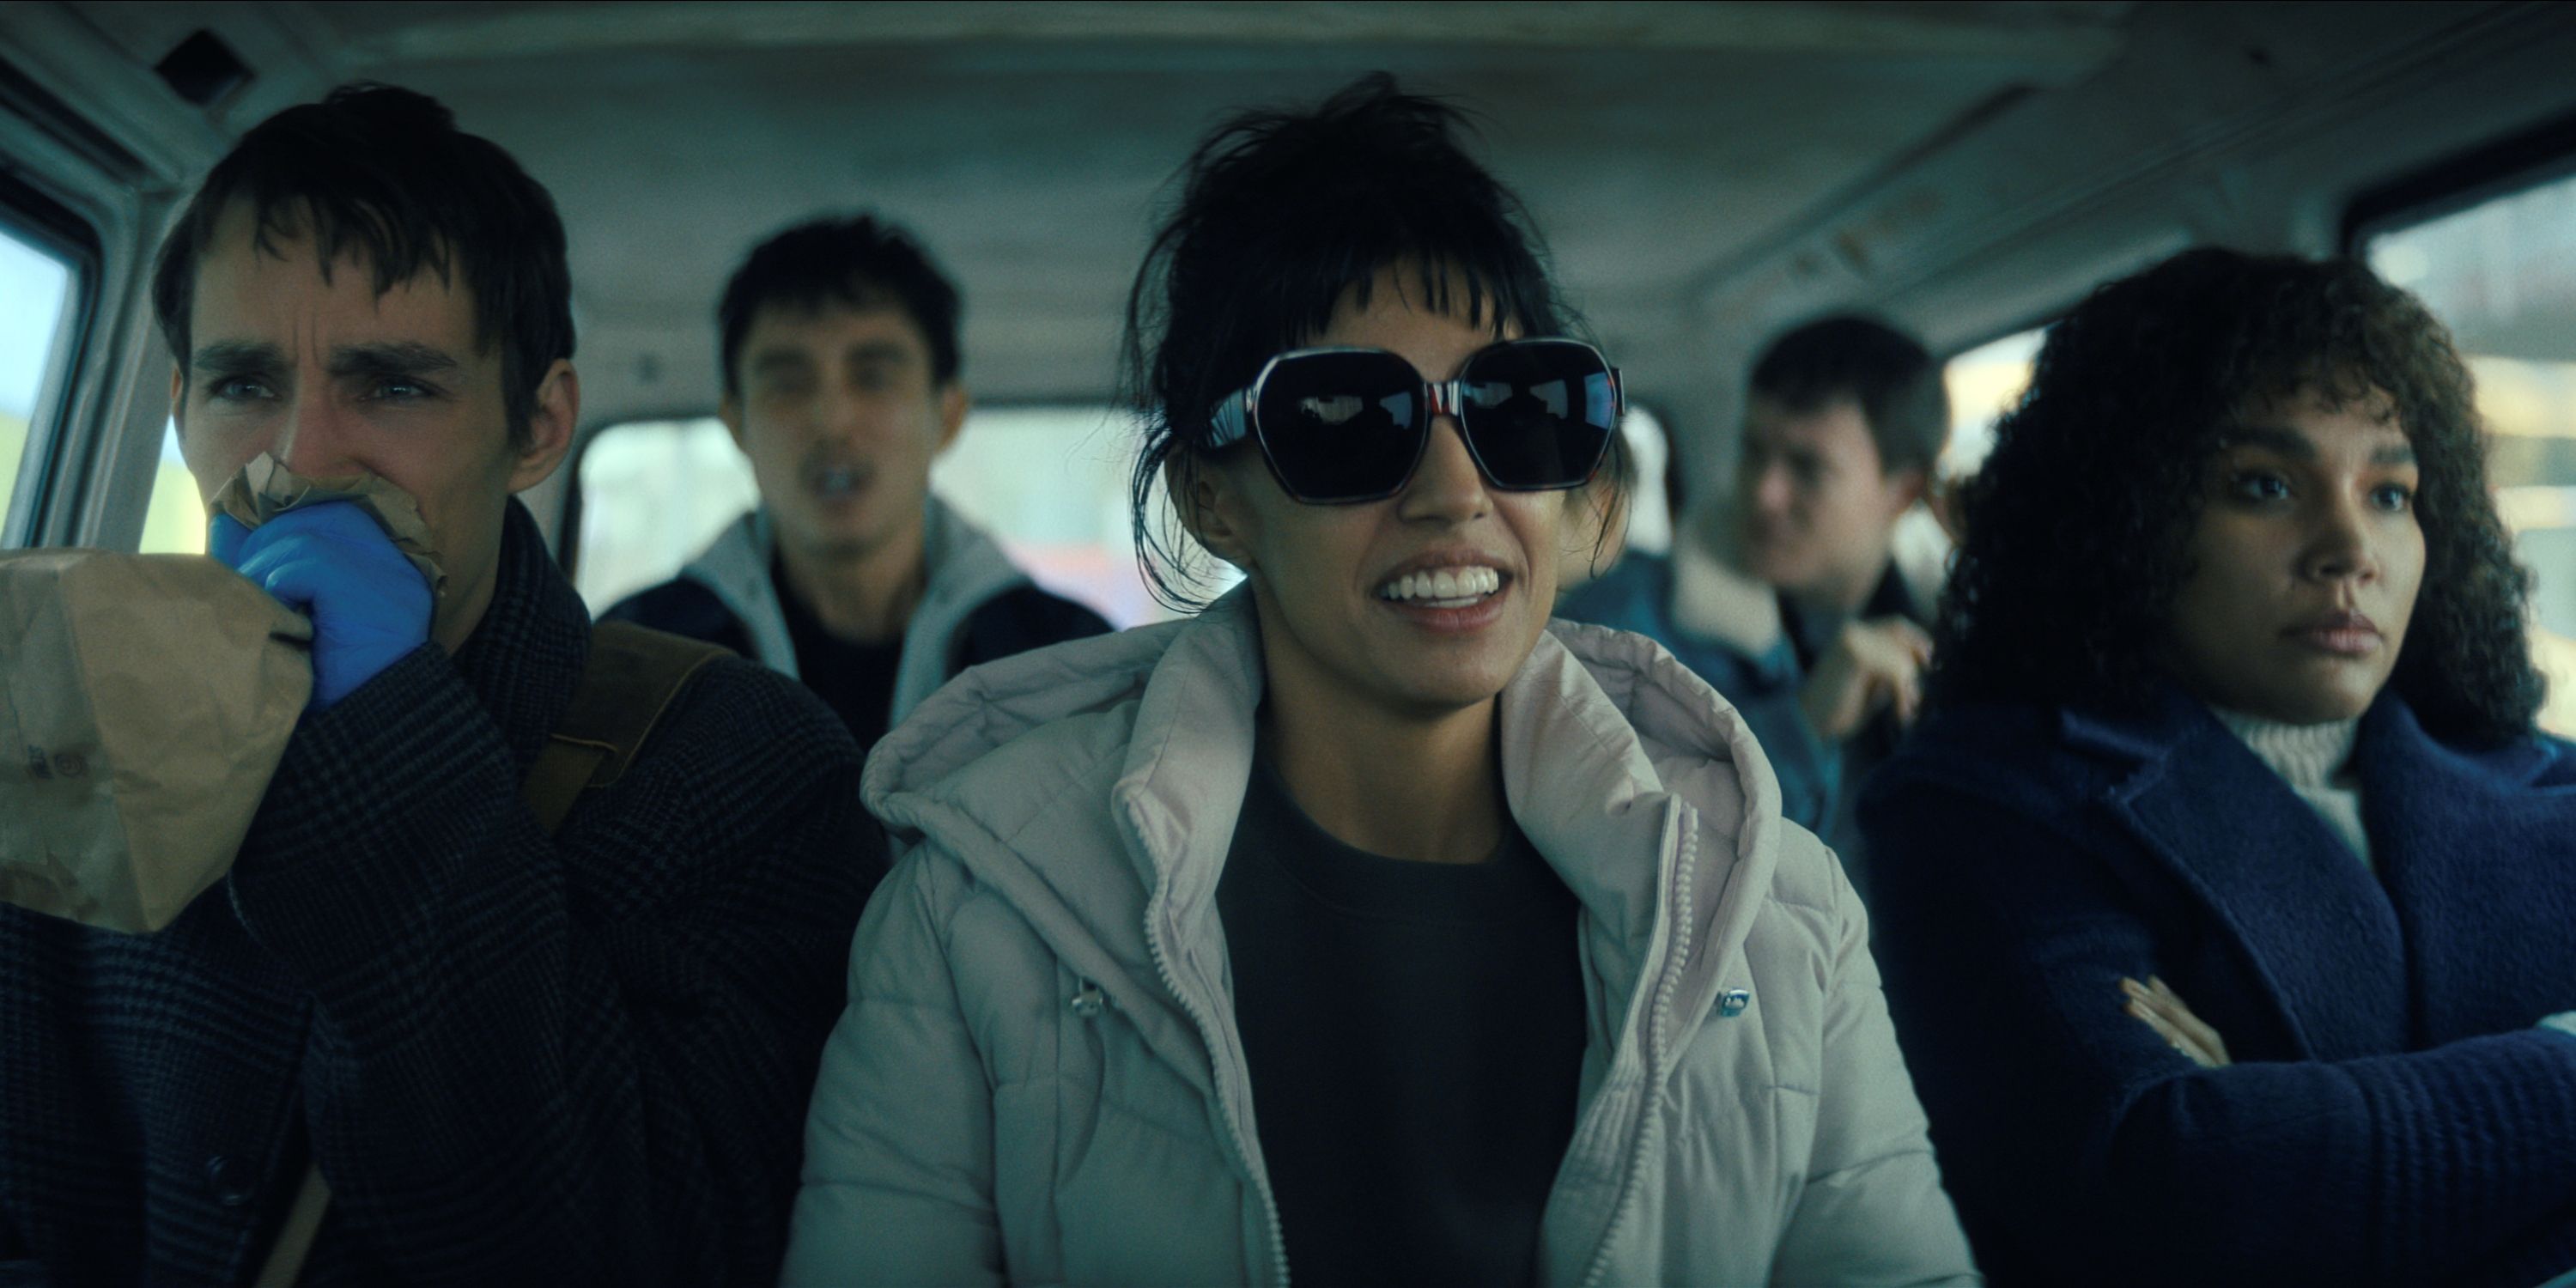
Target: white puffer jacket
{"points": [[1039, 1079]]}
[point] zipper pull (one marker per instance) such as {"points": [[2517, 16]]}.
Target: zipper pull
{"points": [[1088, 1002]]}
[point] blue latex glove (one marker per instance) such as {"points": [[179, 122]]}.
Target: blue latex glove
{"points": [[334, 564], [224, 537]]}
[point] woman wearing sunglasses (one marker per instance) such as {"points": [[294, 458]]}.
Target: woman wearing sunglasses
{"points": [[1363, 928], [2230, 907]]}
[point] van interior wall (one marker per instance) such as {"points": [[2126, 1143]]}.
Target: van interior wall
{"points": [[1707, 174]]}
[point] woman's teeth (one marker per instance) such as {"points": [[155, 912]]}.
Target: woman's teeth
{"points": [[1444, 587]]}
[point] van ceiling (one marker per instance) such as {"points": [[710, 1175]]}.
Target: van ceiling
{"points": [[1704, 172]]}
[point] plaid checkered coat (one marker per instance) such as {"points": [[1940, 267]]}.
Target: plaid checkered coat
{"points": [[579, 1060]]}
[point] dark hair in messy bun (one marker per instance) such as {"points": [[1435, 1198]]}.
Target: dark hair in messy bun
{"points": [[1279, 214]]}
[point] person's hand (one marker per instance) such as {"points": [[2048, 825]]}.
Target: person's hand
{"points": [[2156, 1006], [1870, 666], [332, 563]]}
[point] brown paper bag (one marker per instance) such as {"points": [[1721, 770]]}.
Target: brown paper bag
{"points": [[144, 703]]}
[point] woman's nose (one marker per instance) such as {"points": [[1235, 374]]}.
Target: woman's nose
{"points": [[2339, 547], [1446, 485]]}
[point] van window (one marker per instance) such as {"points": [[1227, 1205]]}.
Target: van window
{"points": [[2502, 275], [1049, 484], [36, 301], [175, 522], [1984, 383], [653, 494]]}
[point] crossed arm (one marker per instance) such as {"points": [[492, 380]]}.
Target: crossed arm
{"points": [[2099, 1126]]}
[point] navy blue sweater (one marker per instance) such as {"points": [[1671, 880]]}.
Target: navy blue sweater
{"points": [[2391, 1116]]}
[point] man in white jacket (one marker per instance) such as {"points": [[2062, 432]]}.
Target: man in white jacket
{"points": [[843, 383]]}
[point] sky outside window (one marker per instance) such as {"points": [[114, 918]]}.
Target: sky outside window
{"points": [[35, 289], [2502, 275]]}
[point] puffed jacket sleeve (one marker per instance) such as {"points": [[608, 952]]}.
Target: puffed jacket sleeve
{"points": [[898, 1185], [1872, 1210]]}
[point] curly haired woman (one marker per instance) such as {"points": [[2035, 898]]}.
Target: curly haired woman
{"points": [[2230, 910]]}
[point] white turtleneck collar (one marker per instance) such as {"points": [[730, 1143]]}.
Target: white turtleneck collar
{"points": [[2316, 761]]}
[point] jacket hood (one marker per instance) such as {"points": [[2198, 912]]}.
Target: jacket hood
{"points": [[1636, 780], [964, 569]]}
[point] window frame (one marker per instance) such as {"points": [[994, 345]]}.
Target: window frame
{"points": [[2502, 167], [564, 527], [567, 521], [31, 217], [2039, 322], [111, 182]]}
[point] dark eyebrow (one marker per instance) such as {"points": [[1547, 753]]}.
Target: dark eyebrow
{"points": [[2288, 442], [234, 357], [2296, 446], [779, 359], [877, 351], [397, 359]]}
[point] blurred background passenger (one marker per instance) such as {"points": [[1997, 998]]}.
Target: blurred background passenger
{"points": [[842, 384], [1360, 929], [2228, 895], [1789, 601]]}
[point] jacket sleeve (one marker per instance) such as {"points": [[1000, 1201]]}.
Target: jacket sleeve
{"points": [[899, 1142], [1873, 1210], [561, 1060], [2074, 1135]]}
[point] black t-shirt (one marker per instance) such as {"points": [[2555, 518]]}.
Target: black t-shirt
{"points": [[1415, 1035], [855, 680]]}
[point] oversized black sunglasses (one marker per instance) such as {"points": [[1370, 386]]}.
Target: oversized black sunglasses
{"points": [[1343, 425]]}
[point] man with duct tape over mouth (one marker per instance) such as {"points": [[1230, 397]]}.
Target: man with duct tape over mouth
{"points": [[521, 973]]}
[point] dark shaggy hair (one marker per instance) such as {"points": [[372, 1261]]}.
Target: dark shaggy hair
{"points": [[2078, 524], [1890, 374], [1279, 214], [385, 173], [860, 262]]}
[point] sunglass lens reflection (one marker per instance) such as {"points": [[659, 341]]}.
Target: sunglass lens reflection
{"points": [[1342, 426], [1539, 413]]}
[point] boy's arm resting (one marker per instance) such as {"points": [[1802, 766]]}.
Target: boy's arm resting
{"points": [[1873, 1210], [2095, 1147], [574, 1059], [899, 1147]]}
